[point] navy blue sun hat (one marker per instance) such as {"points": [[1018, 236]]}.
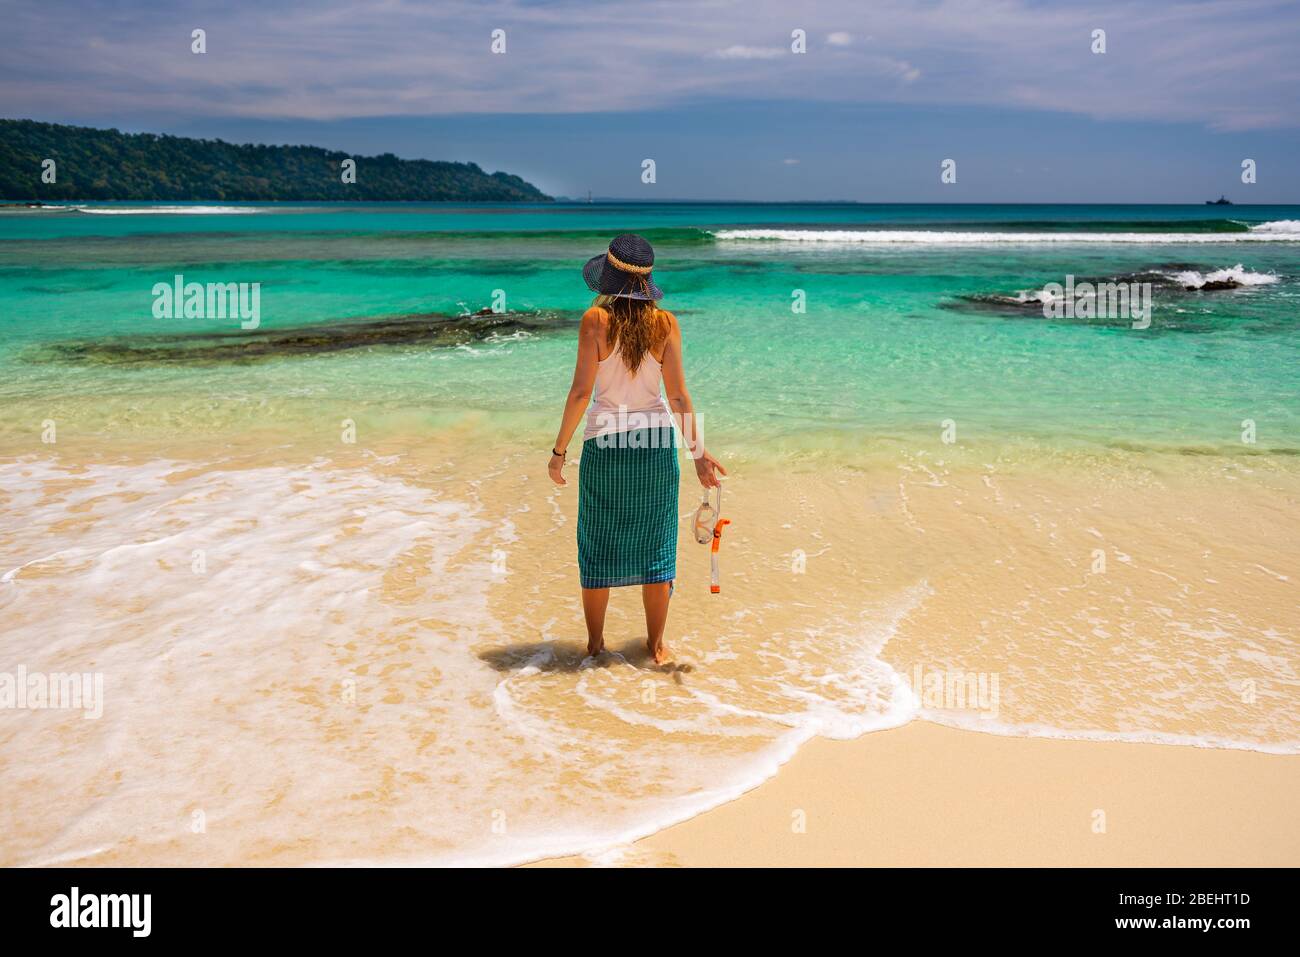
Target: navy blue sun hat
{"points": [[624, 269]]}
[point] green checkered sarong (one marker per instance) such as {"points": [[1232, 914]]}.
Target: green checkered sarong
{"points": [[627, 508]]}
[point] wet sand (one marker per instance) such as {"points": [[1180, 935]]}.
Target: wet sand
{"points": [[354, 679]]}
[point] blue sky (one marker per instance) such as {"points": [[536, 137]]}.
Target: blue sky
{"points": [[710, 90]]}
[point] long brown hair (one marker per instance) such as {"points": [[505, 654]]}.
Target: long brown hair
{"points": [[635, 326]]}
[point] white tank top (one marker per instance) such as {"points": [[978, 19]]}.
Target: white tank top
{"points": [[625, 400]]}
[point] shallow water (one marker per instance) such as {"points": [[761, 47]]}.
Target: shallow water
{"points": [[890, 342]]}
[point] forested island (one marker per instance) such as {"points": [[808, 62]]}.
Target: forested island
{"points": [[110, 165]]}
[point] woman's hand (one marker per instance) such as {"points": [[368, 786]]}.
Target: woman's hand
{"points": [[554, 469], [707, 468]]}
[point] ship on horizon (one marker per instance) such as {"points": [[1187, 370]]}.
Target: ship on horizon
{"points": [[1221, 201]]}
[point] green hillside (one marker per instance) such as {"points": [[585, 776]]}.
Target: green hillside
{"points": [[107, 164]]}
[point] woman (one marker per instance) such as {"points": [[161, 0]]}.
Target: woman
{"points": [[627, 482]]}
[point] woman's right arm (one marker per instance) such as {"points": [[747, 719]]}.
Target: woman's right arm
{"points": [[679, 400], [584, 380]]}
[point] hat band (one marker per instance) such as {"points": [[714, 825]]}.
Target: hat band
{"points": [[626, 267]]}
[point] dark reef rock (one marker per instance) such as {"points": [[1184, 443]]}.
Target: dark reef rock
{"points": [[433, 330]]}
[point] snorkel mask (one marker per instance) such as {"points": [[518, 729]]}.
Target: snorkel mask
{"points": [[707, 527], [705, 517]]}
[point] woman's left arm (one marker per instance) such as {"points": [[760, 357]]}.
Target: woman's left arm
{"points": [[584, 378]]}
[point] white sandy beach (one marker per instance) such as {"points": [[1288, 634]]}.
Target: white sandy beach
{"points": [[929, 796]]}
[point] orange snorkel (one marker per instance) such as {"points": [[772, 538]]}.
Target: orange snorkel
{"points": [[703, 534], [714, 587]]}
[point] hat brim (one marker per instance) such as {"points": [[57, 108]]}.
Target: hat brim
{"points": [[609, 281]]}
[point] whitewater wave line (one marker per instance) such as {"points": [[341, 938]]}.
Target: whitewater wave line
{"points": [[158, 210], [1281, 231]]}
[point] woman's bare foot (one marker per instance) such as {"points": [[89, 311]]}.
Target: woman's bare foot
{"points": [[659, 654], [595, 649]]}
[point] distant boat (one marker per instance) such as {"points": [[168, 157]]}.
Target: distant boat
{"points": [[1221, 201]]}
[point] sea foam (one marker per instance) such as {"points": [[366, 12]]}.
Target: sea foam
{"points": [[1237, 275], [1278, 226], [160, 210], [276, 639], [924, 237]]}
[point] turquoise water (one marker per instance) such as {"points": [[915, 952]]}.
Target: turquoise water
{"points": [[910, 318]]}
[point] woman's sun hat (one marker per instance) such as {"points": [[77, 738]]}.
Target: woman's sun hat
{"points": [[624, 269]]}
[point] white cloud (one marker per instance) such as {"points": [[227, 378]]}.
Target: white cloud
{"points": [[908, 73], [839, 38], [790, 162], [750, 53]]}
